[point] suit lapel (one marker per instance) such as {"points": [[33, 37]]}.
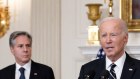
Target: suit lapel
{"points": [[128, 69], [34, 73], [100, 68]]}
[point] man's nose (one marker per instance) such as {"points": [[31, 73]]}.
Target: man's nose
{"points": [[25, 48], [108, 39]]}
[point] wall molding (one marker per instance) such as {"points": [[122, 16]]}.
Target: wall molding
{"points": [[90, 52]]}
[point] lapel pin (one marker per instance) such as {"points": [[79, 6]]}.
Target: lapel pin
{"points": [[130, 69], [35, 73]]}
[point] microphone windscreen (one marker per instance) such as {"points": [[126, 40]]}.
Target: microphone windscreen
{"points": [[105, 74], [90, 74]]}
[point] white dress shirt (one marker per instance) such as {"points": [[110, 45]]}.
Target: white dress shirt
{"points": [[27, 68], [119, 65]]}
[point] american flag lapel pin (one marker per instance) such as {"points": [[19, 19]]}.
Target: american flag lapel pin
{"points": [[130, 69]]}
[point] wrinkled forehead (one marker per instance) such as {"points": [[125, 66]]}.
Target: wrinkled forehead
{"points": [[110, 25]]}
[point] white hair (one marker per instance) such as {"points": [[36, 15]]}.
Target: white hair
{"points": [[120, 21]]}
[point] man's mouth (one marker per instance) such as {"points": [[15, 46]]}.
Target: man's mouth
{"points": [[109, 47]]}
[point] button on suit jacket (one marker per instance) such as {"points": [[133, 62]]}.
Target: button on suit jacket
{"points": [[38, 71]]}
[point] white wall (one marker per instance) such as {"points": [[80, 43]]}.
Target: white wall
{"points": [[74, 33], [46, 33]]}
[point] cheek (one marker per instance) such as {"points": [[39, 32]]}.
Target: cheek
{"points": [[120, 44], [102, 42], [15, 52], [30, 50]]}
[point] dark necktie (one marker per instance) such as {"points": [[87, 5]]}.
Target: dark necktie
{"points": [[112, 72], [22, 76]]}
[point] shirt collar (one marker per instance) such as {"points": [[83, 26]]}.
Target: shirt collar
{"points": [[26, 66], [119, 62]]}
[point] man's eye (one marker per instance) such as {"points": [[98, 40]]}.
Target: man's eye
{"points": [[103, 35], [20, 46], [28, 45], [113, 34]]}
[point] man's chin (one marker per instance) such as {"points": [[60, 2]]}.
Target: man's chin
{"points": [[110, 54], [26, 60]]}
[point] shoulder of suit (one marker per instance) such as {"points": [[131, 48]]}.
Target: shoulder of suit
{"points": [[95, 62], [8, 67], [133, 61], [40, 65]]}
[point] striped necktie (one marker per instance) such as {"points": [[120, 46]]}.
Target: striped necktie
{"points": [[22, 76], [112, 72]]}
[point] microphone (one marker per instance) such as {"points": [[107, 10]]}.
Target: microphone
{"points": [[105, 74], [90, 75]]}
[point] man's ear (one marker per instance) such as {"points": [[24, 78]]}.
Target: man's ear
{"points": [[11, 48], [126, 38]]}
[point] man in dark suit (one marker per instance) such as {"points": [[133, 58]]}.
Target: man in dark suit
{"points": [[117, 64], [21, 46]]}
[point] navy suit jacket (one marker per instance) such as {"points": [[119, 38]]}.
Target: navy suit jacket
{"points": [[38, 71], [131, 69]]}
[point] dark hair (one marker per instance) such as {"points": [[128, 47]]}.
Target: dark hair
{"points": [[16, 34]]}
